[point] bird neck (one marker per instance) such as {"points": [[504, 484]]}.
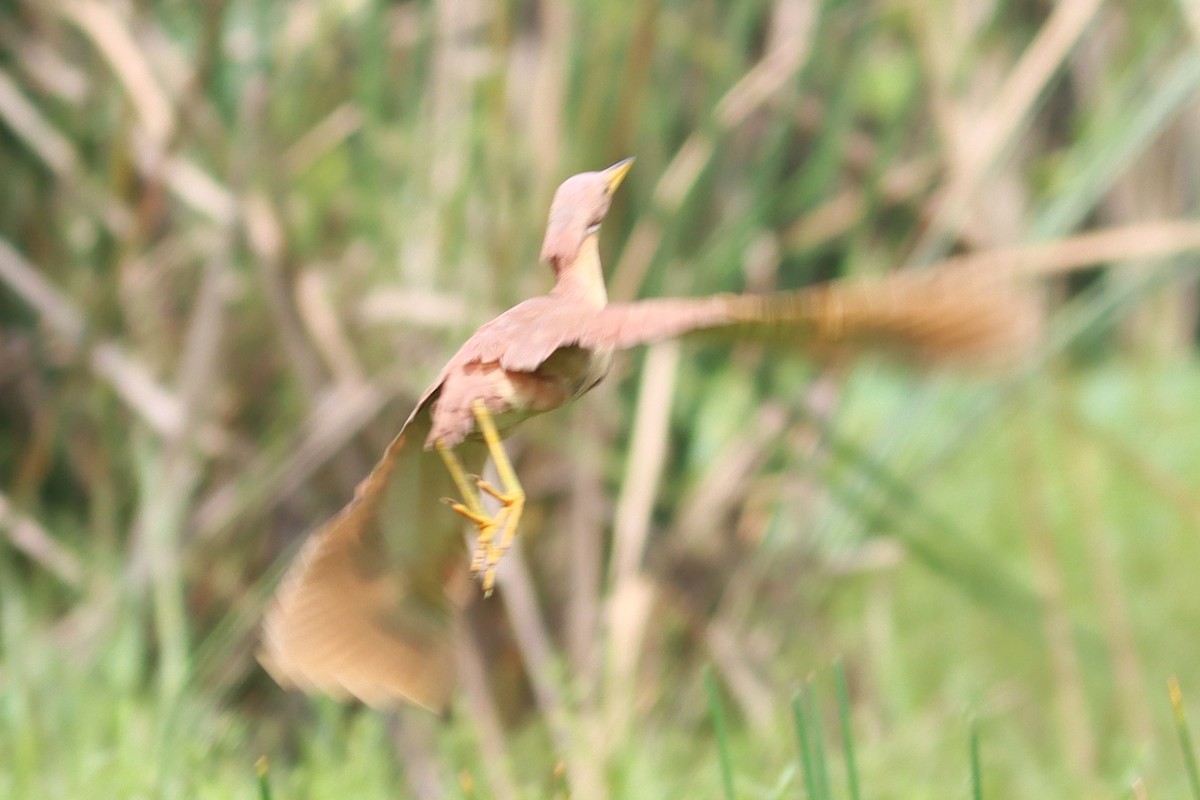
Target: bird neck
{"points": [[582, 279]]}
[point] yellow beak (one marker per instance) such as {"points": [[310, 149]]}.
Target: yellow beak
{"points": [[616, 173]]}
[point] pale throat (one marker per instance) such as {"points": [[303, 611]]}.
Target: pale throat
{"points": [[583, 278]]}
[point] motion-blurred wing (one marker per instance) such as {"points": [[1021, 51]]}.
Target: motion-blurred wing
{"points": [[934, 316], [367, 607]]}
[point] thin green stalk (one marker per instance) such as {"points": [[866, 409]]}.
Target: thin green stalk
{"points": [[721, 731], [262, 767], [1185, 736], [843, 700], [806, 759], [820, 760], [976, 768]]}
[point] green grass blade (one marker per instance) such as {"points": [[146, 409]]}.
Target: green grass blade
{"points": [[799, 719], [1185, 737], [976, 767], [721, 731], [843, 701], [820, 760], [262, 767]]}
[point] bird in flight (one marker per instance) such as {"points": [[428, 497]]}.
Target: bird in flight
{"points": [[367, 609]]}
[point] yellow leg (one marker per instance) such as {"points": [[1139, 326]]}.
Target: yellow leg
{"points": [[471, 500], [511, 496], [471, 508]]}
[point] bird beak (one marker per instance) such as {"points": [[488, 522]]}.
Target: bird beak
{"points": [[616, 173]]}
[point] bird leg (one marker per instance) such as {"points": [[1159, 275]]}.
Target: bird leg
{"points": [[511, 498], [472, 505]]}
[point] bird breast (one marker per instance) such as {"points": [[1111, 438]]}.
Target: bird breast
{"points": [[513, 395], [576, 369], [567, 374]]}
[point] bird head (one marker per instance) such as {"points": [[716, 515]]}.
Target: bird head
{"points": [[579, 206]]}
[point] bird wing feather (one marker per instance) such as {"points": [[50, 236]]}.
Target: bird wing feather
{"points": [[520, 339], [367, 607], [937, 317]]}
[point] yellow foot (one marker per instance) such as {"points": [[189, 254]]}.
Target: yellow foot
{"points": [[485, 554], [488, 555], [496, 531]]}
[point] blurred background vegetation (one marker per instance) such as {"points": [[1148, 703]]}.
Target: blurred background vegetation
{"points": [[239, 237]]}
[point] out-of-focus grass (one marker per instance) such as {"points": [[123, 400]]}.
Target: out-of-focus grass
{"points": [[237, 238], [922, 657]]}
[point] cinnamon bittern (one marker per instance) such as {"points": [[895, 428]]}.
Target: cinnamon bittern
{"points": [[371, 615]]}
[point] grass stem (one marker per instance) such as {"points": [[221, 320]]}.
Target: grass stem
{"points": [[1185, 736], [721, 730]]}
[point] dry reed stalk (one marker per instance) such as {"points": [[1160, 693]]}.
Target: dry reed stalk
{"points": [[328, 134], [38, 545], [413, 742], [325, 330], [1136, 242], [130, 62], [576, 746], [994, 130], [416, 307], [1179, 493], [1191, 15], [45, 141], [172, 473], [481, 708], [788, 44], [327, 428], [585, 533], [629, 594], [548, 93], [841, 212], [102, 24], [1084, 482], [57, 152], [1070, 701], [707, 504], [756, 698], [265, 238], [645, 462], [161, 409], [1157, 188]]}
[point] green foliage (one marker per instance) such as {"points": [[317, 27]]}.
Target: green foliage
{"points": [[237, 239]]}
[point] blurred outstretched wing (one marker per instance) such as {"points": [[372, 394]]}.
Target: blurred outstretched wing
{"points": [[934, 316], [367, 607]]}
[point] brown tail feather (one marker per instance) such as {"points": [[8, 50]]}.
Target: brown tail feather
{"points": [[366, 614]]}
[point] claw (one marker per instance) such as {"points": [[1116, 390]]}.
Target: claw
{"points": [[481, 555]]}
